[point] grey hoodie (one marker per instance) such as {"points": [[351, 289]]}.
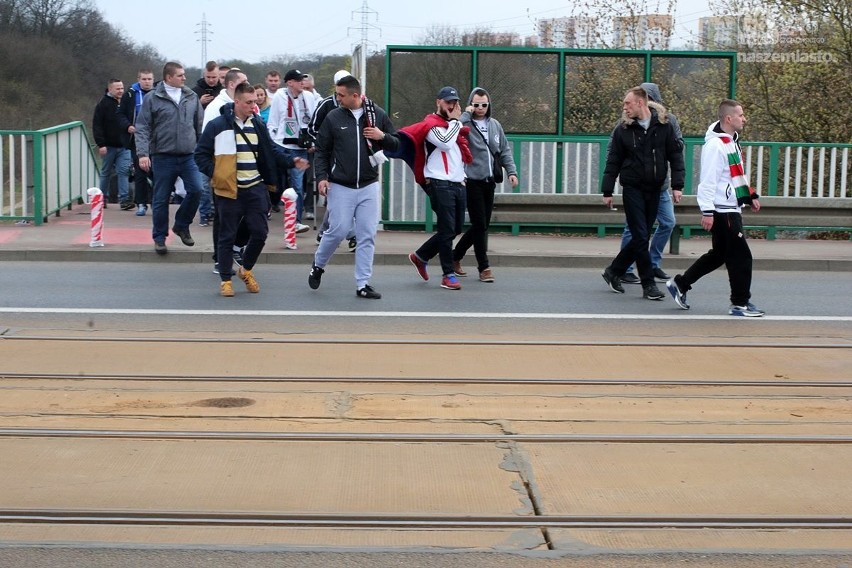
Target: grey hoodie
{"points": [[483, 152]]}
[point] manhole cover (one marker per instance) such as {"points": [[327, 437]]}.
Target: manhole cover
{"points": [[227, 402]]}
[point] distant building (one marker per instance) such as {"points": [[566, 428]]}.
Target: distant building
{"points": [[725, 32], [532, 41], [572, 33], [491, 39], [643, 31]]}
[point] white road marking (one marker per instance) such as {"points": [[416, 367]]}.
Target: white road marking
{"points": [[449, 315]]}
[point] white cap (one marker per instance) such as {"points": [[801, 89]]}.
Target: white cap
{"points": [[340, 75]]}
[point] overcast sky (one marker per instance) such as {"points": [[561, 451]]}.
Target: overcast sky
{"points": [[263, 29]]}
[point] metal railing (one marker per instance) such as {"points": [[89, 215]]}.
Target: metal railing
{"points": [[44, 171], [574, 165]]}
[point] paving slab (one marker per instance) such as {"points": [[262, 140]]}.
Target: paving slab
{"points": [[277, 477], [692, 479]]}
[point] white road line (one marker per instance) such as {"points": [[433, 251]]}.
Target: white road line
{"points": [[449, 315]]}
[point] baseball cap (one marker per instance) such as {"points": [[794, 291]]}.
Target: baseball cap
{"points": [[448, 94], [294, 75], [340, 75]]}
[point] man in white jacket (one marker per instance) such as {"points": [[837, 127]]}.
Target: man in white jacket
{"points": [[722, 192]]}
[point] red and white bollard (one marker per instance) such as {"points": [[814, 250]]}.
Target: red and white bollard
{"points": [[96, 200], [288, 199]]}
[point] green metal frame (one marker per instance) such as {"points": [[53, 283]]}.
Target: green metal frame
{"points": [[39, 213]]}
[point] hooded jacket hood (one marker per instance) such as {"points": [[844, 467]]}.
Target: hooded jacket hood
{"points": [[715, 131], [481, 91], [653, 92], [657, 110]]}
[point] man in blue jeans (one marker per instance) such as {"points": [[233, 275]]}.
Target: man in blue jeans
{"points": [[112, 130], [665, 213], [167, 131]]}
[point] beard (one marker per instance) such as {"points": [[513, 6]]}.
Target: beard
{"points": [[442, 112]]}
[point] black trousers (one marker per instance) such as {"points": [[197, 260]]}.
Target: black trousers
{"points": [[640, 208], [241, 238], [729, 248], [480, 204], [250, 207], [447, 199]]}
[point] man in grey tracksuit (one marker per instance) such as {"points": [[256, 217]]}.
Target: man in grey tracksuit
{"points": [[491, 154], [350, 149], [167, 130]]}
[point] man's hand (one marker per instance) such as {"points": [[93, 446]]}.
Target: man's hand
{"points": [[322, 187], [131, 129], [608, 201], [755, 205], [301, 163], [205, 99], [513, 179], [102, 151], [677, 195], [707, 222], [456, 112], [373, 133], [145, 163]]}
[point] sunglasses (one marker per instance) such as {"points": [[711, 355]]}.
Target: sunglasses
{"points": [[477, 105]]}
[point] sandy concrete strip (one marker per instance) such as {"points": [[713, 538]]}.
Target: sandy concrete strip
{"points": [[326, 539], [692, 479], [257, 476], [702, 541], [247, 360], [411, 402]]}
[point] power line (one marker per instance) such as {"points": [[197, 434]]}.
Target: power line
{"points": [[204, 31]]}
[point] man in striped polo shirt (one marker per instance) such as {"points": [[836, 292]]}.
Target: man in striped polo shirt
{"points": [[237, 153]]}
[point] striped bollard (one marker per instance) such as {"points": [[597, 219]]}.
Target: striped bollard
{"points": [[288, 199], [96, 200]]}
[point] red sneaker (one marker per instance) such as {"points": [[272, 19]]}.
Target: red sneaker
{"points": [[450, 282], [420, 265]]}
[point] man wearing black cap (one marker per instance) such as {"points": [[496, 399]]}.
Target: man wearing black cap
{"points": [[437, 150], [289, 117]]}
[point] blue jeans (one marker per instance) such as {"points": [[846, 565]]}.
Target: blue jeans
{"points": [[297, 182], [169, 167], [448, 202], [205, 201], [117, 159], [665, 226]]}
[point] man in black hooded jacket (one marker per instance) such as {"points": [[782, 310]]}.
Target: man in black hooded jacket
{"points": [[642, 146]]}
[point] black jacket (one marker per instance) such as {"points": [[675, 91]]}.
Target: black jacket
{"points": [[342, 154], [640, 158], [201, 88], [110, 124]]}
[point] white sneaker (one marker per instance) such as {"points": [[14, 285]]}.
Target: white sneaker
{"points": [[290, 247], [302, 228]]}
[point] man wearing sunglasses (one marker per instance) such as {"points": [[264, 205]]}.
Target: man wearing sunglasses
{"points": [[491, 154]]}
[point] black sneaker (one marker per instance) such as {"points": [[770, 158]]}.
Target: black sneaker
{"points": [[651, 292], [613, 281], [315, 277], [160, 247], [678, 296], [352, 244], [184, 235], [660, 275], [368, 292], [127, 206], [238, 255], [630, 278]]}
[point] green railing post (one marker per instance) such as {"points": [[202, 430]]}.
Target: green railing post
{"points": [[38, 179], [559, 182], [774, 150]]}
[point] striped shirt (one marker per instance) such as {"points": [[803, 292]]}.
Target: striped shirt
{"points": [[247, 173]]}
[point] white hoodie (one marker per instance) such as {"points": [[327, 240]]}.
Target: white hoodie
{"points": [[715, 190]]}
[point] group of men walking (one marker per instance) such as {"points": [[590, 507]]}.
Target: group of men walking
{"points": [[458, 156]]}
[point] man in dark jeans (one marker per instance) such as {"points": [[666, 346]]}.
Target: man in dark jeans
{"points": [[642, 146], [443, 141]]}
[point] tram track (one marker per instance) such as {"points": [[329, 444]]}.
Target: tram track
{"points": [[397, 521], [430, 438]]}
